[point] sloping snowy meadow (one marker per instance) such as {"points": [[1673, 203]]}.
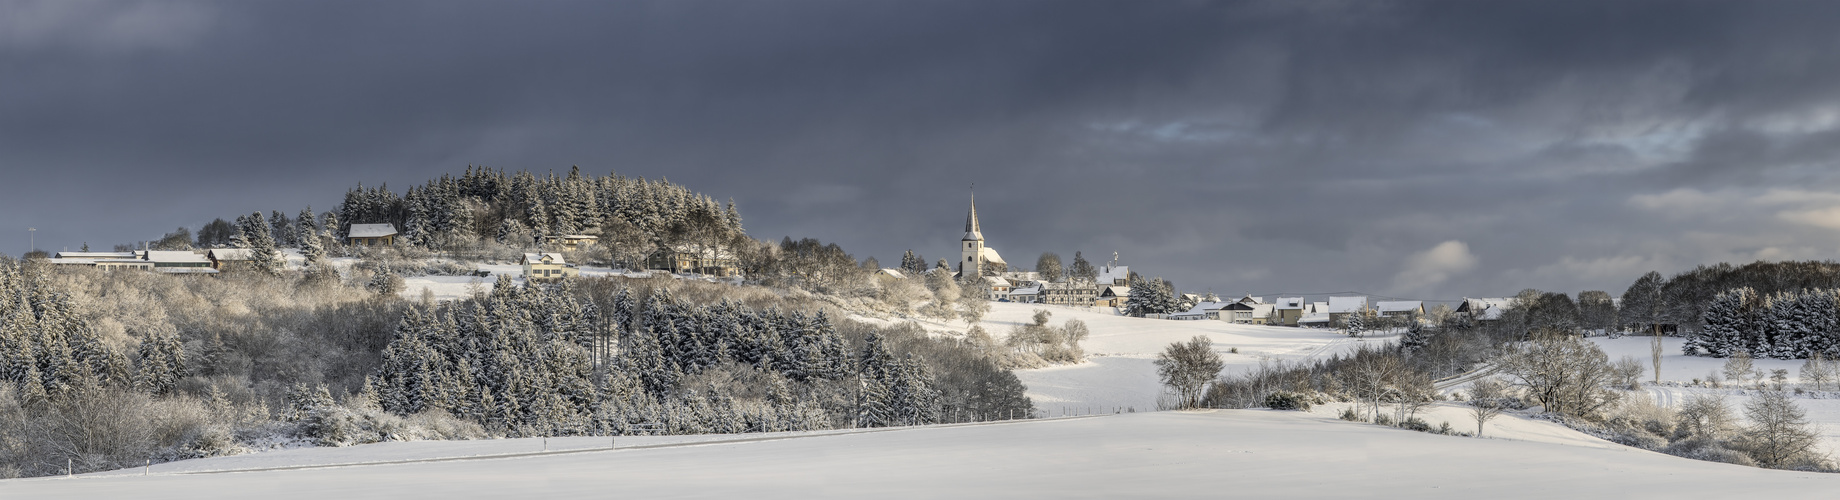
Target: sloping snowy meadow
{"points": [[1227, 453]]}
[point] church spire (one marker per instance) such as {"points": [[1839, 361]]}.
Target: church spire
{"points": [[971, 221]]}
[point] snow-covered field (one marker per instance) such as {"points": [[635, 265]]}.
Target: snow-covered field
{"points": [[1678, 371], [1120, 372], [1237, 453]]}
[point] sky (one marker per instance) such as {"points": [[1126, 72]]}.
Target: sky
{"points": [[1429, 150]]}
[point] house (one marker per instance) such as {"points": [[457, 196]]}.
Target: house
{"points": [[1249, 299], [1340, 307], [224, 259], [996, 288], [1290, 309], [1244, 312], [177, 262], [570, 242], [1400, 307], [1069, 293], [547, 266], [1208, 309], [889, 273], [371, 235], [1483, 309], [687, 258], [1026, 295], [1316, 315], [1201, 311], [1114, 275], [1112, 296]]}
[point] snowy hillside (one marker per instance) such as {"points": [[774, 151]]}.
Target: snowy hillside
{"points": [[1120, 371], [1243, 453], [1678, 371]]}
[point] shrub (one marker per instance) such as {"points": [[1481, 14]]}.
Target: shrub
{"points": [[1287, 401], [1416, 424], [1708, 449], [1349, 415]]}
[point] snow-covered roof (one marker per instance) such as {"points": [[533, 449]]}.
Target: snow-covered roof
{"points": [[186, 270], [537, 258], [95, 255], [1387, 306], [1338, 305], [1249, 299], [1319, 307], [1315, 317], [889, 271], [231, 254], [1111, 274], [1033, 290], [990, 254], [1211, 306], [175, 257], [1485, 309], [372, 230], [1115, 291], [1288, 303], [996, 281]]}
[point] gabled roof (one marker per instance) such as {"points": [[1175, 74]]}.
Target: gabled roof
{"points": [[1290, 303], [1111, 274], [1318, 308], [231, 254], [537, 258], [1115, 291], [1486, 309], [95, 255], [990, 254], [175, 256], [1033, 290], [996, 281], [372, 230], [1387, 306], [1314, 317], [1338, 305], [889, 271], [1249, 299]]}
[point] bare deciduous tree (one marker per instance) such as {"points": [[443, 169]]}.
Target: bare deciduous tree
{"points": [[1187, 367], [1780, 434], [1564, 373], [1486, 401]]}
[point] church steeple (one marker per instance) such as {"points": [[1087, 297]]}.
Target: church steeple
{"points": [[971, 222]]}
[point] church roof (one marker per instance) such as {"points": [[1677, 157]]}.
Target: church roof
{"points": [[971, 222]]}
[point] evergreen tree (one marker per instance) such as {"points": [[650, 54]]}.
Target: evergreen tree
{"points": [[1081, 269], [264, 256]]}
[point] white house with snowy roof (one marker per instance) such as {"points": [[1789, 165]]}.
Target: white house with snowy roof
{"points": [[1400, 307], [371, 234], [547, 266], [1341, 307]]}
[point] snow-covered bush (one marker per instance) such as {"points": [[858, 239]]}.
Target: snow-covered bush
{"points": [[1285, 400]]}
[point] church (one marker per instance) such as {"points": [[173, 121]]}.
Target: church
{"points": [[972, 254]]}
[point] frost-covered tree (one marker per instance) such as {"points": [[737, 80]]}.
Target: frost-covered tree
{"points": [[1187, 367], [1049, 266]]}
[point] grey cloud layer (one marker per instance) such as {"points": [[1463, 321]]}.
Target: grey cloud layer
{"points": [[1245, 146]]}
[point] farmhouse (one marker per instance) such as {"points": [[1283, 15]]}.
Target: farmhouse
{"points": [[547, 266], [372, 234]]}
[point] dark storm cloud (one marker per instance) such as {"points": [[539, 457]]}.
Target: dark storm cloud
{"points": [[1247, 146]]}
